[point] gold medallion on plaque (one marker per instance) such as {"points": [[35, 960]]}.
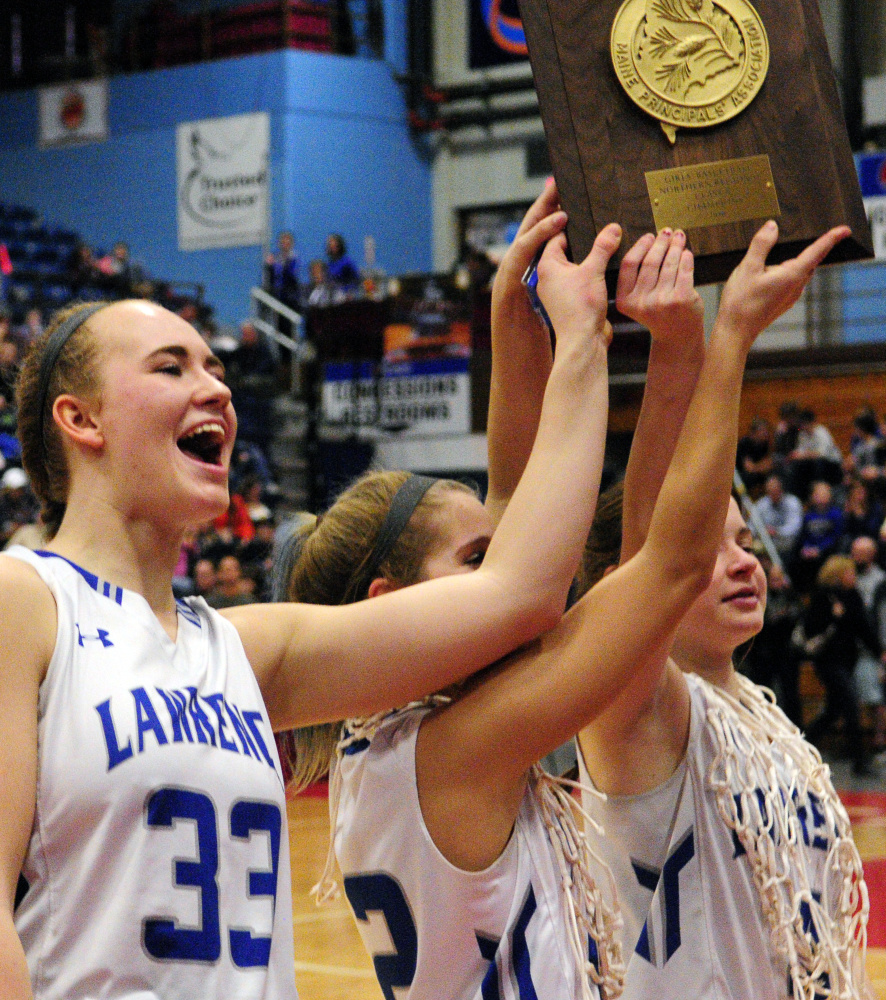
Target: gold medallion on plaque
{"points": [[690, 63]]}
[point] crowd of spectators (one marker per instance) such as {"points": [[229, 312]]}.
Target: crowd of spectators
{"points": [[329, 281], [825, 515]]}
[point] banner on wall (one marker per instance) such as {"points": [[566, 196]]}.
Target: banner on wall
{"points": [[73, 113], [222, 181], [495, 34], [872, 175], [412, 398]]}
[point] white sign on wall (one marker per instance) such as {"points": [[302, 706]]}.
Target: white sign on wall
{"points": [[876, 209], [412, 399], [222, 181], [73, 113]]}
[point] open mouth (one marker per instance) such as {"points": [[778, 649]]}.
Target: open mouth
{"points": [[205, 443]]}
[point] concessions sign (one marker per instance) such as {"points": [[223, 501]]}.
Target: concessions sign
{"points": [[222, 181], [73, 113], [411, 398]]}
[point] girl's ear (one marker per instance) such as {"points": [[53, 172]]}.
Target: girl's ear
{"points": [[75, 418], [381, 586]]}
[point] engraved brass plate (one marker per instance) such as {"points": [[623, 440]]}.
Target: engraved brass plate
{"points": [[713, 194], [690, 63]]}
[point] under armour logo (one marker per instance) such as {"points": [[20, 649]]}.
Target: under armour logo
{"points": [[100, 636]]}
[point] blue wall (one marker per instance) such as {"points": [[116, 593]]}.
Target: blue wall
{"points": [[341, 160]]}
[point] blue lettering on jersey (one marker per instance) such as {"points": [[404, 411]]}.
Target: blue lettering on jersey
{"points": [[146, 719], [176, 704], [809, 929], [252, 719], [217, 702], [187, 720], [240, 729], [115, 754], [811, 815], [100, 636], [382, 893], [489, 988], [202, 725], [521, 958], [593, 953], [668, 886]]}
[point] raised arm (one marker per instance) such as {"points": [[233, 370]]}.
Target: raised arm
{"points": [[473, 755], [320, 663], [27, 635], [656, 288], [521, 355], [644, 728]]}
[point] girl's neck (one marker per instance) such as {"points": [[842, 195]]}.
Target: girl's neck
{"points": [[717, 670], [137, 555]]}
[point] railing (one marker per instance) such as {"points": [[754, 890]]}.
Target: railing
{"points": [[300, 348], [839, 325]]}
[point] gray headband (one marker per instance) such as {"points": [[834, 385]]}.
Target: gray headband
{"points": [[406, 499], [54, 346]]}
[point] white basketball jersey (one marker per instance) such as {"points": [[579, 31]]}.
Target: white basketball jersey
{"points": [[158, 866], [435, 932], [693, 921]]}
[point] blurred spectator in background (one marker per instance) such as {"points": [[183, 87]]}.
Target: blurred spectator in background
{"points": [[235, 524], [6, 270], [18, 505], [82, 271], [816, 456], [321, 292], [182, 581], [785, 438], [118, 274], [835, 624], [249, 462], [204, 577], [782, 515], [31, 536], [282, 277], [869, 579], [252, 374], [215, 542], [257, 556], [819, 537], [754, 459], [9, 361], [771, 660], [251, 490], [230, 588], [868, 575], [864, 448], [341, 270], [374, 283], [862, 515], [28, 331]]}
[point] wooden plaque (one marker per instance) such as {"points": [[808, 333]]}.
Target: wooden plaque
{"points": [[612, 159]]}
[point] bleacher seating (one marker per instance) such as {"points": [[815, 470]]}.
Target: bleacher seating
{"points": [[41, 258]]}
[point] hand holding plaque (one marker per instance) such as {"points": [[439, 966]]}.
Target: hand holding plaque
{"points": [[705, 115]]}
